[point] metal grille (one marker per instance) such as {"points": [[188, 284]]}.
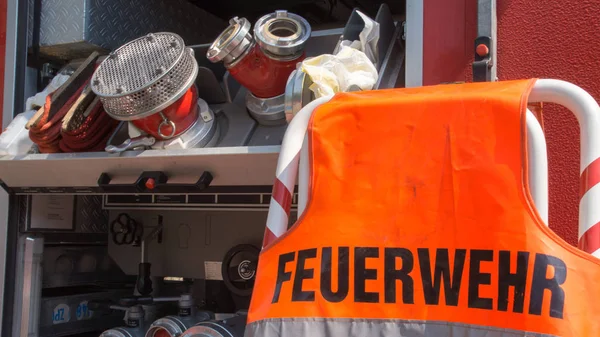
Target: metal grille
{"points": [[144, 76]]}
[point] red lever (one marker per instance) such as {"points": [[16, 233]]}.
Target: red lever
{"points": [[150, 183], [482, 50]]}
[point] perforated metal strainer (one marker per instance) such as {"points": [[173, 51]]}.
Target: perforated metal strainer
{"points": [[144, 76]]}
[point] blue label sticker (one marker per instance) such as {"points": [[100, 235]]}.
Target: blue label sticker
{"points": [[61, 314], [83, 312]]}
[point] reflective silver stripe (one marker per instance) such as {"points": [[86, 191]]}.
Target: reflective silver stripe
{"points": [[343, 327]]}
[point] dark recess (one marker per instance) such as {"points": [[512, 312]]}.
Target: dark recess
{"points": [[319, 13]]}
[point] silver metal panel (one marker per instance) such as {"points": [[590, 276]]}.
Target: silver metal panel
{"points": [[230, 166], [28, 289], [76, 27], [392, 62], [414, 43], [62, 21], [264, 135], [90, 217], [323, 41], [487, 26]]}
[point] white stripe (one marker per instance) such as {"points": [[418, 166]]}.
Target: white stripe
{"points": [[277, 219], [294, 135], [289, 173], [582, 105], [596, 253], [537, 158], [303, 177], [287, 163], [589, 209]]}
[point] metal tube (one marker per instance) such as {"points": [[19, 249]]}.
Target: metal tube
{"points": [[587, 112], [144, 257], [414, 43], [29, 287], [287, 172], [537, 159]]}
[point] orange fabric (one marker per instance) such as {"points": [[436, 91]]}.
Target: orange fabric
{"points": [[438, 167]]}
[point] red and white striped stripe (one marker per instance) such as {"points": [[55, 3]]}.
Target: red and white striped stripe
{"points": [[287, 173], [589, 209]]}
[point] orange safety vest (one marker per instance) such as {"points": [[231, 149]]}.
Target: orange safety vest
{"points": [[420, 223]]}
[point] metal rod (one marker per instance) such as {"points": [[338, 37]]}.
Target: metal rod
{"points": [[487, 26], [586, 110], [537, 158], [146, 240]]}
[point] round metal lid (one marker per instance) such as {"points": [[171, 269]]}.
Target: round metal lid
{"points": [[144, 75], [282, 33], [232, 42]]}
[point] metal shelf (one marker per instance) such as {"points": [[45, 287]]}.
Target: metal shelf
{"points": [[79, 173], [246, 154]]}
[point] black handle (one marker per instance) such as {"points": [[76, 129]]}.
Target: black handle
{"points": [[144, 283], [154, 182]]}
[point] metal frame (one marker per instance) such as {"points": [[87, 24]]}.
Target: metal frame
{"points": [[414, 43], [4, 213], [487, 26], [586, 110], [15, 64], [28, 289], [15, 61], [294, 157], [537, 159]]}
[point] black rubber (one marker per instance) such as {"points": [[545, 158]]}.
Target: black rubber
{"points": [[249, 284]]}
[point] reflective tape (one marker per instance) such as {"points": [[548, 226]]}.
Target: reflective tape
{"points": [[338, 327]]}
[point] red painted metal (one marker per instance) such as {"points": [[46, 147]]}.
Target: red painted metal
{"points": [[183, 113], [264, 76], [549, 40], [449, 31], [554, 40]]}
